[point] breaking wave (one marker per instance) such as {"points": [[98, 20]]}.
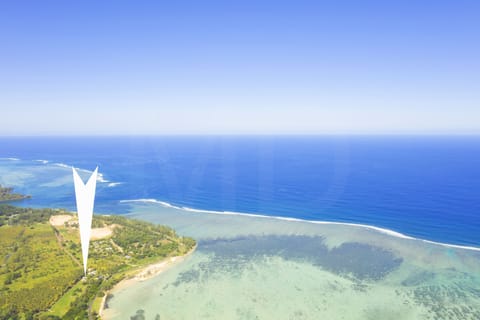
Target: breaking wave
{"points": [[359, 225]]}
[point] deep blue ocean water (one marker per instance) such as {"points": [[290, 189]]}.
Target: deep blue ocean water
{"points": [[423, 186]]}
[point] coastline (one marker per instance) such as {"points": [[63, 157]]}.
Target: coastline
{"points": [[7, 201], [7, 195], [142, 274], [385, 231]]}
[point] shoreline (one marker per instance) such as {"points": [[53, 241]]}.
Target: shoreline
{"points": [[16, 199], [385, 231], [168, 205], [142, 274]]}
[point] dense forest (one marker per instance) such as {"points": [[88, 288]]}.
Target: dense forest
{"points": [[41, 276]]}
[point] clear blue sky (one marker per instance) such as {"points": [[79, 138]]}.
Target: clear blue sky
{"points": [[155, 67]]}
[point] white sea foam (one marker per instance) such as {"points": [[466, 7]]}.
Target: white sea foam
{"points": [[100, 176], [62, 165], [165, 204], [114, 184], [10, 159], [378, 229], [42, 161]]}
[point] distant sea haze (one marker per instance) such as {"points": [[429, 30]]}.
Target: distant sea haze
{"points": [[420, 186]]}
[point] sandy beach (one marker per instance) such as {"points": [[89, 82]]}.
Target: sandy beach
{"points": [[145, 273]]}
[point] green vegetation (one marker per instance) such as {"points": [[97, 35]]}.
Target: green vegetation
{"points": [[41, 276], [6, 194]]}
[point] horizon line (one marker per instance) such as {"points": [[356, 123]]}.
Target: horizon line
{"points": [[274, 134]]}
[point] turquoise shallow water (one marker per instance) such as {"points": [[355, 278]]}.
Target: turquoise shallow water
{"points": [[263, 268], [249, 267]]}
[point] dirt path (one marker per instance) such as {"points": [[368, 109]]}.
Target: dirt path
{"points": [[116, 246], [60, 243]]}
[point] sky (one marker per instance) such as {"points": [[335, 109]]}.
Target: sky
{"points": [[239, 67]]}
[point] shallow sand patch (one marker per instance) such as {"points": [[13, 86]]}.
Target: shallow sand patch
{"points": [[59, 220], [97, 233], [101, 233]]}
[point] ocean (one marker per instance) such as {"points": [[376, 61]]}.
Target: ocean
{"points": [[421, 186], [330, 227]]}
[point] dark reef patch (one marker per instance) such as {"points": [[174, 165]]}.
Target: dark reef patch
{"points": [[418, 278], [456, 301], [364, 262]]}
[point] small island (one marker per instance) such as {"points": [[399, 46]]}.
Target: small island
{"points": [[6, 195], [41, 276]]}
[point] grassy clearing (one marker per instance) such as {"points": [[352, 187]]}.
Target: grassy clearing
{"points": [[61, 307]]}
